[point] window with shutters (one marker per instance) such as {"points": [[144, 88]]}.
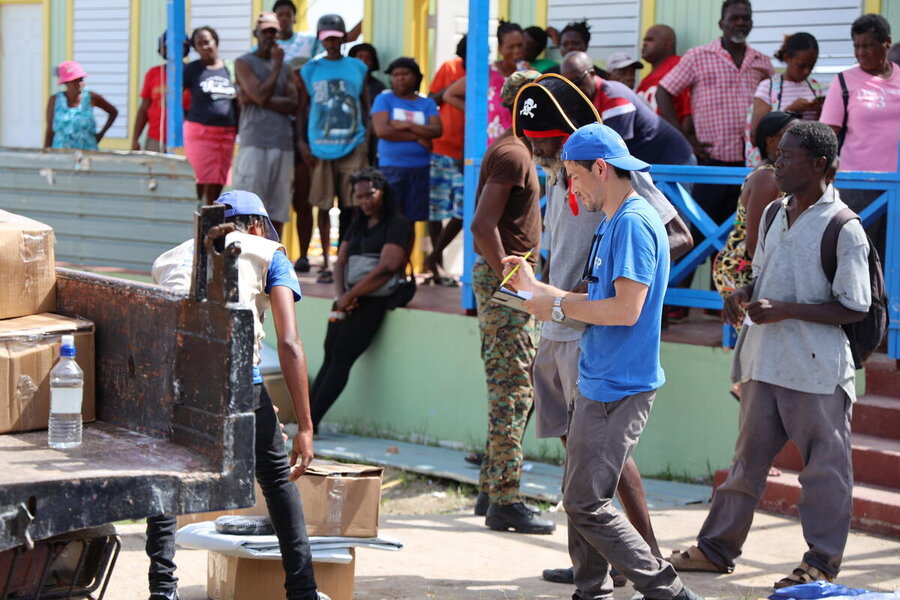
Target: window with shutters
{"points": [[100, 39], [615, 24]]}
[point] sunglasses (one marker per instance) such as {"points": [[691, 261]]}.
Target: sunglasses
{"points": [[587, 275], [580, 79]]}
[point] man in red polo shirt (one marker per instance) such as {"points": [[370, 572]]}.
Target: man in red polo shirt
{"points": [[658, 49]]}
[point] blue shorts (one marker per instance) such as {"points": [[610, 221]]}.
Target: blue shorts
{"points": [[409, 186], [447, 188]]}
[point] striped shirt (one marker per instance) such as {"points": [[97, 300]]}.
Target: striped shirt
{"points": [[720, 94]]}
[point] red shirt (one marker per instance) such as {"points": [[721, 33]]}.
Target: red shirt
{"points": [[720, 94], [155, 90], [453, 120], [649, 84]]}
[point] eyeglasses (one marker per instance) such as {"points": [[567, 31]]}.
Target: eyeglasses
{"points": [[587, 275]]}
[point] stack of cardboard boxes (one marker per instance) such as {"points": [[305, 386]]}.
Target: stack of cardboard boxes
{"points": [[339, 500], [29, 331]]}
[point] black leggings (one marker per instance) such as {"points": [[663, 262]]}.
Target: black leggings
{"points": [[345, 341]]}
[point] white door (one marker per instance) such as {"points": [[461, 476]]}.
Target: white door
{"points": [[21, 67]]}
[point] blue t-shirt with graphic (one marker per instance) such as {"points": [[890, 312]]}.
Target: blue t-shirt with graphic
{"points": [[618, 361], [417, 110], [281, 272], [335, 89]]}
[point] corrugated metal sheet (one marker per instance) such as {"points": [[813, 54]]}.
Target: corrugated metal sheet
{"points": [[615, 24], [696, 22], [107, 208], [101, 44]]}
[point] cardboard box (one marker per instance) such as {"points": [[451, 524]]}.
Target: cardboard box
{"points": [[27, 267], [338, 500], [29, 348], [233, 578]]}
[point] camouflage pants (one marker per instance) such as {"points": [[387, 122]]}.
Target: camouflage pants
{"points": [[507, 349]]}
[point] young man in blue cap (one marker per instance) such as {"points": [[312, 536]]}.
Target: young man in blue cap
{"points": [[266, 279], [619, 370]]}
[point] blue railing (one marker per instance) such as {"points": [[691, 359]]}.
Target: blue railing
{"points": [[669, 178]]}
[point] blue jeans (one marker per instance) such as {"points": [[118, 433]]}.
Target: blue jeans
{"points": [[410, 188], [282, 499]]}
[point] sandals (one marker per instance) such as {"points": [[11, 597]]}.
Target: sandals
{"points": [[440, 280], [802, 574], [693, 559], [325, 277]]}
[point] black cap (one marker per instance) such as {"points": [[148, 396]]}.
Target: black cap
{"points": [[552, 103], [331, 23]]}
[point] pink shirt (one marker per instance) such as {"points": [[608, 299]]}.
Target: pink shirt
{"points": [[873, 121], [720, 94], [499, 117]]}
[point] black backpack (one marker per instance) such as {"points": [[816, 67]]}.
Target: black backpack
{"points": [[866, 335]]}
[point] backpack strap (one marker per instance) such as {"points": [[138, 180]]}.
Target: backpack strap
{"points": [[771, 213], [845, 96], [828, 249]]}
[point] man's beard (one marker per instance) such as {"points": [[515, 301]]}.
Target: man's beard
{"points": [[738, 37], [551, 166]]}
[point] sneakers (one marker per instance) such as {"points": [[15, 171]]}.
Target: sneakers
{"points": [[302, 265], [173, 595], [685, 594], [323, 596], [503, 517]]}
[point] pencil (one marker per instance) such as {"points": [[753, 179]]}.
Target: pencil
{"points": [[515, 268]]}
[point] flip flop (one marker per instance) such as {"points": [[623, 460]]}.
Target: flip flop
{"points": [[325, 277]]}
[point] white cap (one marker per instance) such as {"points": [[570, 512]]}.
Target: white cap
{"points": [[68, 340]]}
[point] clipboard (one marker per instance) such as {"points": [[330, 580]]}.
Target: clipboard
{"points": [[514, 300]]}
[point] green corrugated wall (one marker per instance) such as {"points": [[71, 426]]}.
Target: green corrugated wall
{"points": [[696, 21]]}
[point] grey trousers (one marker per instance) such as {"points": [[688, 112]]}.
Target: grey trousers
{"points": [[820, 427], [601, 438]]}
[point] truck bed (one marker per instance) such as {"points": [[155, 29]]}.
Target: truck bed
{"points": [[175, 428]]}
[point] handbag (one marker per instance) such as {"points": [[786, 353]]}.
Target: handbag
{"points": [[406, 288], [360, 265]]}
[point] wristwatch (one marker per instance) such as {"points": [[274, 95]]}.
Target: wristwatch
{"points": [[557, 312]]}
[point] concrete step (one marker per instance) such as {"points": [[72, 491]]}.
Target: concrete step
{"points": [[878, 416], [875, 509], [876, 460], [882, 376]]}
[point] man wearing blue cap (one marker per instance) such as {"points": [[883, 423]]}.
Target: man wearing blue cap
{"points": [[266, 279], [619, 370]]}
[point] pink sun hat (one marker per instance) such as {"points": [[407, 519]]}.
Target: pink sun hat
{"points": [[69, 70]]}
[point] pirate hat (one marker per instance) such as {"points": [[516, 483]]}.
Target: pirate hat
{"points": [[551, 106]]}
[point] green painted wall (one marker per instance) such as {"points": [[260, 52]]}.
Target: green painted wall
{"points": [[389, 25], [422, 379], [58, 49], [522, 13], [891, 11], [696, 21]]}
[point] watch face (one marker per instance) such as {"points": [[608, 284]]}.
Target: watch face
{"points": [[557, 314]]}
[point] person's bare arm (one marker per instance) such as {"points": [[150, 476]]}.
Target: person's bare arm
{"points": [[488, 211], [432, 130], [301, 119], [455, 94], [339, 270], [385, 131], [48, 131], [286, 104], [623, 309], [760, 109], [758, 193], [140, 121], [765, 311], [666, 105], [292, 359], [680, 239], [553, 34], [253, 90], [111, 112], [354, 33]]}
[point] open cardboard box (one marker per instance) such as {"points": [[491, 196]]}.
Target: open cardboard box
{"points": [[29, 349], [339, 499]]}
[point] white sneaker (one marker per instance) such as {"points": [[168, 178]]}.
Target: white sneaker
{"points": [[323, 596]]}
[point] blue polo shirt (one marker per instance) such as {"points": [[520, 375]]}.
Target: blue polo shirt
{"points": [[618, 361]]}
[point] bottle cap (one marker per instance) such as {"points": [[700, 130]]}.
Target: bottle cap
{"points": [[68, 346]]}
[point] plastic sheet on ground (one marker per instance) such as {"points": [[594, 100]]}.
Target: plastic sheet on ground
{"points": [[203, 536], [823, 589]]}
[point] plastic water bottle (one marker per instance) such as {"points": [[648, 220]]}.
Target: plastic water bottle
{"points": [[66, 390]]}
